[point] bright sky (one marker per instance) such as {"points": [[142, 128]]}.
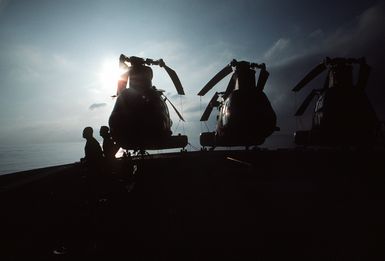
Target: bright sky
{"points": [[57, 57]]}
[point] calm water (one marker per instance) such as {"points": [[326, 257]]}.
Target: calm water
{"points": [[32, 156], [25, 157]]}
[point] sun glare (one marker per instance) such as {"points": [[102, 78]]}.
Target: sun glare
{"points": [[109, 74]]}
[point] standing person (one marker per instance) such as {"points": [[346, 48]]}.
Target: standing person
{"points": [[93, 160], [109, 146], [92, 150]]}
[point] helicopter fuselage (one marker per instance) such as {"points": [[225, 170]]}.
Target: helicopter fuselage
{"points": [[344, 116], [140, 119], [245, 117]]}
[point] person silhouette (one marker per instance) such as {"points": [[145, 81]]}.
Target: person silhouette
{"points": [[94, 170], [92, 150], [109, 146]]}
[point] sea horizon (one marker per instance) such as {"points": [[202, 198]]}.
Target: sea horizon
{"points": [[21, 157]]}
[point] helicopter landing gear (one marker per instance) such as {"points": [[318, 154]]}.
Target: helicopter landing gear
{"points": [[141, 153], [208, 139], [205, 149]]}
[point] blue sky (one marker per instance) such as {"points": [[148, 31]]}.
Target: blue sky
{"points": [[55, 56]]}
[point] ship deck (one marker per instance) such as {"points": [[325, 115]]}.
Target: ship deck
{"points": [[311, 203]]}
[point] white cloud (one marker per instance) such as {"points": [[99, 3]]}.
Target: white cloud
{"points": [[278, 48]]}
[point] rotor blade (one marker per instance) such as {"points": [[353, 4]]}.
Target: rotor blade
{"points": [[326, 82], [310, 76], [219, 76], [263, 76], [209, 108], [230, 86], [363, 76], [175, 79], [123, 58], [306, 103], [172, 105]]}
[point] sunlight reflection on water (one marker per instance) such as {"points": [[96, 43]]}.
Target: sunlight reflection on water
{"points": [[14, 158]]}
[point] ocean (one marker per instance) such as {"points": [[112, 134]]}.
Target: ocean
{"points": [[14, 158]]}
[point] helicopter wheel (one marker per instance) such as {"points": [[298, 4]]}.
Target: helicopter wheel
{"points": [[141, 153]]}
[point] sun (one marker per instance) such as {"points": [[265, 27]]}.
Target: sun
{"points": [[109, 74]]}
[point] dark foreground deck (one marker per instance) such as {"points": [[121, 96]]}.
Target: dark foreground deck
{"points": [[241, 205]]}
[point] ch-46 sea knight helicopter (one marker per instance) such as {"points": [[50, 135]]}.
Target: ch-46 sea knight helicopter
{"points": [[140, 120], [246, 117], [343, 115]]}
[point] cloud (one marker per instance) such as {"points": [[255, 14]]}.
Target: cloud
{"points": [[277, 49], [316, 34], [97, 105], [290, 59], [354, 38], [372, 20]]}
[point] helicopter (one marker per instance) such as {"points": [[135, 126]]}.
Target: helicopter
{"points": [[246, 117], [140, 119], [342, 114]]}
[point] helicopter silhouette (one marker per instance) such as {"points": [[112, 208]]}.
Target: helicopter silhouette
{"points": [[140, 119], [342, 114], [246, 117]]}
